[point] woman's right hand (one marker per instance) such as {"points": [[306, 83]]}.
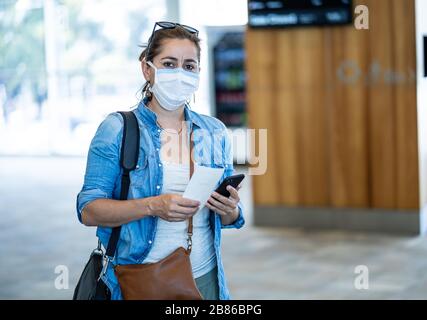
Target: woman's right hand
{"points": [[173, 207]]}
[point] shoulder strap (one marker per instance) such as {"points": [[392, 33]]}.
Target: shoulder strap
{"points": [[128, 161], [190, 220]]}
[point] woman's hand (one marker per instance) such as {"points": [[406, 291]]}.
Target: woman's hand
{"points": [[173, 207], [225, 207]]}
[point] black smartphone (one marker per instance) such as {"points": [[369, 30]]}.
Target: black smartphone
{"points": [[233, 181]]}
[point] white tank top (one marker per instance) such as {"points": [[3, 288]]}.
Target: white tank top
{"points": [[171, 235]]}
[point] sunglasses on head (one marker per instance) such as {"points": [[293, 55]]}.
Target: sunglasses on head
{"points": [[173, 25], [170, 25]]}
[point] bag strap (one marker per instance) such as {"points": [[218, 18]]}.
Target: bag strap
{"points": [[128, 161], [190, 220]]}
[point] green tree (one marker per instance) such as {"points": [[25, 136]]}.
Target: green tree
{"points": [[21, 52]]}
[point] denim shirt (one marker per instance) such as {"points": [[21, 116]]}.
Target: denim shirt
{"points": [[102, 179]]}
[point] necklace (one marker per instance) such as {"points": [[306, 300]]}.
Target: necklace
{"points": [[170, 131]]}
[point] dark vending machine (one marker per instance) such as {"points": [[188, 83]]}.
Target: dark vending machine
{"points": [[229, 79]]}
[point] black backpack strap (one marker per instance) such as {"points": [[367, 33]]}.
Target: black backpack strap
{"points": [[128, 161]]}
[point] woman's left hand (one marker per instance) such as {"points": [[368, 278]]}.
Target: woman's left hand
{"points": [[225, 207]]}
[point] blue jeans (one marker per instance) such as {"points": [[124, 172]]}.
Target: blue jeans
{"points": [[208, 285]]}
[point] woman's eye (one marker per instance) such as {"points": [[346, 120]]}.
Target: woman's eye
{"points": [[189, 67], [168, 65]]}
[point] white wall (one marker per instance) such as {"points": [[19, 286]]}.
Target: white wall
{"points": [[421, 31], [201, 15], [212, 18]]}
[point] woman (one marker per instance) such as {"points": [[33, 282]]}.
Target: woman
{"points": [[154, 219]]}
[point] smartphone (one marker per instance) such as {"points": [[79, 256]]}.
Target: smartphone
{"points": [[233, 181]]}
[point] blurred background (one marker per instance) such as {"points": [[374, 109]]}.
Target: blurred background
{"points": [[340, 86]]}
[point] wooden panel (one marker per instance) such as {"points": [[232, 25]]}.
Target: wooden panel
{"points": [[310, 95], [261, 98], [407, 183], [382, 108], [331, 141], [348, 117], [287, 120]]}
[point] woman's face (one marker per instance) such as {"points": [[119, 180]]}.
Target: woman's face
{"points": [[175, 53]]}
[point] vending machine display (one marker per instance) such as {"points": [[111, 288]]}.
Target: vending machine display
{"points": [[229, 77]]}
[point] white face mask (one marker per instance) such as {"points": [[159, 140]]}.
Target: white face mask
{"points": [[172, 87]]}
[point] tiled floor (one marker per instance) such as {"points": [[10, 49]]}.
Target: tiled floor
{"points": [[39, 231]]}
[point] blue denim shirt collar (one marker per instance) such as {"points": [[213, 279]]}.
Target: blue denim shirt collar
{"points": [[150, 117]]}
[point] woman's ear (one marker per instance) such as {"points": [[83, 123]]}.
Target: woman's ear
{"points": [[146, 70]]}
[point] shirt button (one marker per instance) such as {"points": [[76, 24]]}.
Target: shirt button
{"points": [[137, 167], [158, 187], [150, 242], [157, 149], [158, 130], [160, 164]]}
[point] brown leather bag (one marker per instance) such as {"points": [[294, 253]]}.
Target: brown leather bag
{"points": [[168, 279]]}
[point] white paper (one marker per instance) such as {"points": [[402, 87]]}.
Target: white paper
{"points": [[202, 183]]}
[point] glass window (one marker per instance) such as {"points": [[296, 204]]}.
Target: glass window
{"points": [[66, 64]]}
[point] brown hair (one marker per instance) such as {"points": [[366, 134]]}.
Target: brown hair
{"points": [[154, 47]]}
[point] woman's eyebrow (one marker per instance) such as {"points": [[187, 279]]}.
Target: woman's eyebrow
{"points": [[169, 58], [175, 59], [191, 60]]}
